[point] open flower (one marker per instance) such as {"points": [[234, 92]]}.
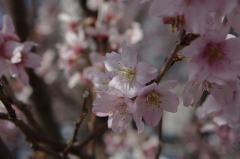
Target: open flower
{"points": [[118, 108], [153, 99], [213, 66], [20, 57], [130, 76], [191, 15]]}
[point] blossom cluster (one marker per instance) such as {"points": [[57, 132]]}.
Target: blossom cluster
{"points": [[14, 54], [214, 56], [125, 93]]}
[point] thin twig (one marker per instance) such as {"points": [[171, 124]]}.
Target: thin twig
{"points": [[25, 109], [77, 124], [177, 47], [7, 104], [29, 135], [159, 150], [94, 134]]}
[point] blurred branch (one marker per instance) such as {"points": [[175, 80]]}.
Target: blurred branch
{"points": [[7, 104], [93, 135], [159, 150], [77, 124], [4, 151], [19, 104], [177, 47], [40, 97], [86, 11]]}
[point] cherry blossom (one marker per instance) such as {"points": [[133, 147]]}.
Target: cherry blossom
{"points": [[213, 65], [118, 108], [130, 75], [153, 99], [190, 15], [20, 57]]}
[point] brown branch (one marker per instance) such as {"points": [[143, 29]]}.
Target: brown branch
{"points": [[93, 135], [159, 150], [177, 47], [25, 109], [77, 124], [7, 104]]}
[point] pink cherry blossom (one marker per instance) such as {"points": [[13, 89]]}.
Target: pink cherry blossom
{"points": [[153, 99], [190, 15], [20, 57], [130, 75], [228, 8], [213, 64], [118, 108], [8, 29], [193, 90], [222, 114]]}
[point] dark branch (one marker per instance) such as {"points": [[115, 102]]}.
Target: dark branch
{"points": [[77, 124], [7, 104]]}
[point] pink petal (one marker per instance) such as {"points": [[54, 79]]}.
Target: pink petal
{"points": [[196, 10], [145, 90], [120, 122], [191, 93], [233, 19], [130, 89], [152, 118], [28, 46], [232, 46], [8, 26], [33, 60], [222, 94], [13, 69], [198, 69], [111, 61], [129, 54], [167, 85], [145, 72], [139, 124], [164, 8], [209, 106], [140, 106], [23, 75], [102, 106], [170, 102], [195, 47], [10, 47]]}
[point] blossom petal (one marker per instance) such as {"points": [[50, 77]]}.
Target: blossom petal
{"points": [[152, 118], [167, 85], [129, 54], [191, 92], [111, 61], [145, 72], [8, 26], [33, 60], [120, 122]]}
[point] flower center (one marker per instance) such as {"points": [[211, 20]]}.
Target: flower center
{"points": [[214, 51], [120, 107], [207, 86], [153, 101], [127, 74]]}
